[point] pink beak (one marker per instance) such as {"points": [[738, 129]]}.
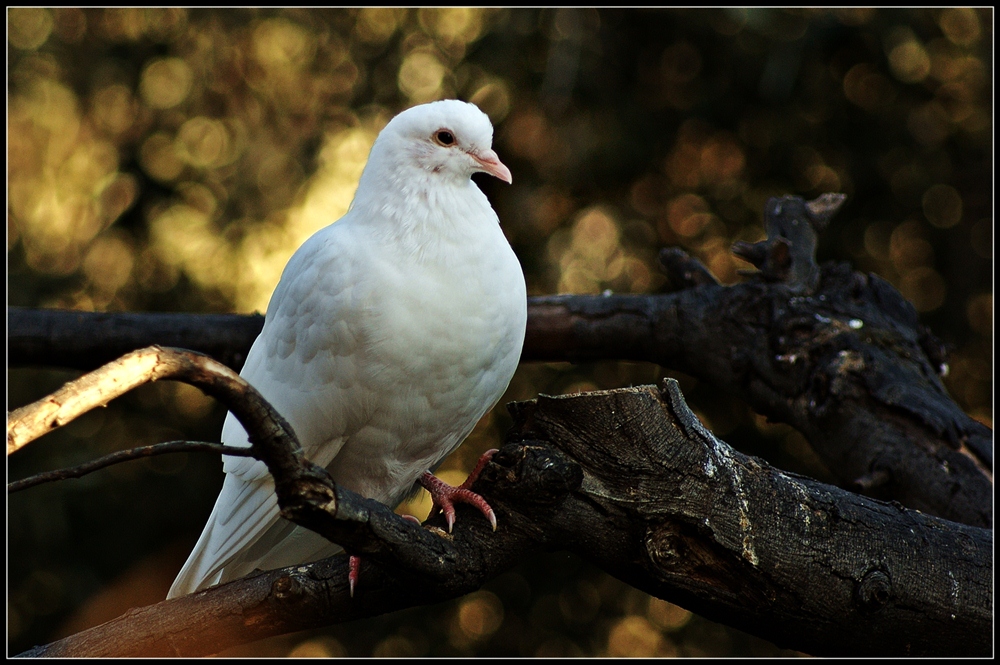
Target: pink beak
{"points": [[490, 163]]}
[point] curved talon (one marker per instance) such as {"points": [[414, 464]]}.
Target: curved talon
{"points": [[444, 495], [353, 570]]}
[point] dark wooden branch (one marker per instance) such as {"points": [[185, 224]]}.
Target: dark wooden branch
{"points": [[630, 480], [142, 452], [306, 493], [87, 340], [838, 355]]}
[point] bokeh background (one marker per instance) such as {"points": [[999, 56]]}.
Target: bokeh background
{"points": [[172, 160]]}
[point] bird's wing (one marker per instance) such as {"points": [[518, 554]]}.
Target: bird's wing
{"points": [[305, 363]]}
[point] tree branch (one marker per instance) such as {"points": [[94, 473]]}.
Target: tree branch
{"points": [[87, 340], [306, 493], [120, 456], [838, 355], [630, 480]]}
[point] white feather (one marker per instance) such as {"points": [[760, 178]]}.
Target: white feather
{"points": [[389, 335]]}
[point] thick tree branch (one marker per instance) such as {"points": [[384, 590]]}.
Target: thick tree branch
{"points": [[87, 340], [838, 355], [630, 480]]}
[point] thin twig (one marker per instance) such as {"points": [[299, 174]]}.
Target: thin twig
{"points": [[124, 456]]}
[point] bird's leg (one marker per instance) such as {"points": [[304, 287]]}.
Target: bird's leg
{"points": [[354, 563], [445, 496]]}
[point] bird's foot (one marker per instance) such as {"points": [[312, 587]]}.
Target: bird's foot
{"points": [[445, 496]]}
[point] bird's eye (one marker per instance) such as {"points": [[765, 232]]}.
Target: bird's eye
{"points": [[444, 137]]}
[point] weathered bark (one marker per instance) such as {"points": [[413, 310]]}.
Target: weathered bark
{"points": [[630, 480]]}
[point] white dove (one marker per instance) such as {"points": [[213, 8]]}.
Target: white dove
{"points": [[390, 334]]}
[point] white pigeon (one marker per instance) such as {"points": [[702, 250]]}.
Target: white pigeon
{"points": [[390, 334]]}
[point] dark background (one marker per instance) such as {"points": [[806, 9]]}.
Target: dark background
{"points": [[172, 160]]}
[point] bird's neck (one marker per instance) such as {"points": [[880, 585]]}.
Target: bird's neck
{"points": [[417, 210]]}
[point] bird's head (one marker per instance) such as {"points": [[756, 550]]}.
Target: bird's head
{"points": [[449, 138]]}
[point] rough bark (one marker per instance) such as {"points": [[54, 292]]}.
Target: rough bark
{"points": [[630, 480]]}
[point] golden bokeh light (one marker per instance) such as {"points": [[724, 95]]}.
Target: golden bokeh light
{"points": [[688, 215], [591, 258], [115, 108], [929, 123], [960, 25], [480, 615], [203, 142], [318, 647], [908, 59], [70, 24], [377, 24], [666, 615], [493, 97], [453, 25], [108, 262], [854, 15], [635, 637], [62, 188], [166, 82], [280, 43], [580, 602], [528, 135], [28, 27], [159, 159], [421, 76], [191, 402], [395, 646]]}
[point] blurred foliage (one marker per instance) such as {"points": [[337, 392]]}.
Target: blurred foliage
{"points": [[173, 159]]}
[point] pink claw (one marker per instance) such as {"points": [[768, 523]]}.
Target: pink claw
{"points": [[445, 496], [353, 569]]}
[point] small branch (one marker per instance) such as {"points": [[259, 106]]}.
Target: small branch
{"points": [[75, 398], [124, 456]]}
